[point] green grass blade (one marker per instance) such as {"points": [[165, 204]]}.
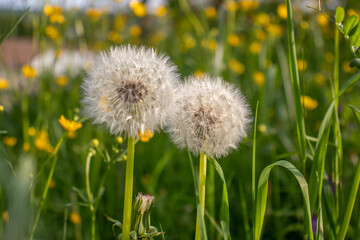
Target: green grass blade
{"points": [[6, 34], [261, 197], [354, 188], [294, 73], [224, 210], [253, 180]]}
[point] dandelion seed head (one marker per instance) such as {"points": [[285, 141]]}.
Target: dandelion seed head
{"points": [[129, 89], [209, 116]]}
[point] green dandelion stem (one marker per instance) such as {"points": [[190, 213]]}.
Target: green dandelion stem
{"points": [[88, 191], [128, 188], [202, 187]]}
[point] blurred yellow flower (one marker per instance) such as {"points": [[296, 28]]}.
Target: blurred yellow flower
{"points": [[94, 14], [211, 44], [304, 25], [258, 78], [49, 9], [246, 5], [26, 146], [346, 67], [29, 72], [138, 8], [75, 218], [57, 18], [31, 131], [262, 19], [320, 79], [160, 11], [231, 6], [5, 216], [308, 103], [210, 12], [198, 73], [71, 135], [52, 32], [329, 57], [9, 141], [145, 136], [282, 11], [275, 30], [262, 128], [255, 47], [189, 41], [62, 81], [119, 140], [70, 126], [322, 20], [157, 37], [1, 108], [52, 184], [42, 141], [4, 84], [302, 65], [233, 40], [351, 12], [115, 37], [119, 22], [135, 31], [260, 35], [95, 142], [236, 66]]}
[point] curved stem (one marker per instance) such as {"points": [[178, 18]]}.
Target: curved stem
{"points": [[88, 191], [128, 188], [202, 188]]}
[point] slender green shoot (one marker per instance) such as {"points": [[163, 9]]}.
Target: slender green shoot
{"points": [[253, 181], [5, 35], [202, 188], [89, 195]]}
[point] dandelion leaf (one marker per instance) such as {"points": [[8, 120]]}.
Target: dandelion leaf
{"points": [[350, 24], [339, 15]]}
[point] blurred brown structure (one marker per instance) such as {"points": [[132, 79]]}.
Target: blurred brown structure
{"points": [[16, 52]]}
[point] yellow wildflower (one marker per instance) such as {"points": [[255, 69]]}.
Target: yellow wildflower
{"points": [[282, 11], [258, 78], [160, 11], [255, 47], [262, 128], [135, 31], [329, 57], [94, 14], [189, 41], [57, 18], [138, 8], [52, 32], [320, 79], [260, 35], [233, 40], [308, 103], [145, 136], [5, 216], [70, 126], [29, 72], [52, 184], [115, 37], [262, 19], [9, 141], [31, 131], [231, 6], [62, 81], [4, 84], [236, 66], [71, 135], [75, 218], [48, 9], [1, 108], [119, 140], [304, 25], [275, 30], [346, 67], [119, 22], [351, 12], [322, 20], [95, 142], [209, 43], [210, 12], [26, 146], [246, 5], [198, 73], [302, 64], [42, 141]]}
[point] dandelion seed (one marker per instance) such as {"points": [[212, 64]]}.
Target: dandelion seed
{"points": [[137, 85], [210, 116]]}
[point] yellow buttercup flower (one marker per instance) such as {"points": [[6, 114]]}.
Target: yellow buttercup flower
{"points": [[31, 131], [189, 41], [199, 73], [260, 35], [160, 11], [231, 6], [304, 25], [5, 216], [52, 32], [308, 103], [233, 40], [95, 142], [236, 66], [320, 79], [145, 136], [115, 37], [57, 18], [9, 141], [138, 8], [262, 19], [210, 12], [26, 146], [322, 20], [54, 13], [62, 81], [255, 47], [94, 14], [119, 140], [135, 31], [75, 218], [4, 84], [258, 78], [29, 72], [329, 57], [282, 11], [1, 108], [302, 64], [275, 30], [42, 141], [70, 126], [209, 43], [247, 5], [52, 184]]}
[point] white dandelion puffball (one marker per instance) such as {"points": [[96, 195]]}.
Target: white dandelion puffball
{"points": [[129, 89], [211, 116]]}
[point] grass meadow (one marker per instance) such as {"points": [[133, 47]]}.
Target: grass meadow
{"points": [[295, 176]]}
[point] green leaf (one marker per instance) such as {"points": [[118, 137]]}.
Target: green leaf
{"points": [[261, 197], [224, 210], [350, 23], [339, 15], [6, 34], [355, 38], [355, 63]]}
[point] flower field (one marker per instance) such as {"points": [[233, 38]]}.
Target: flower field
{"points": [[234, 119]]}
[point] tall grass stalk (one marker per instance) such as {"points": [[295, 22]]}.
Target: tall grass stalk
{"points": [[128, 188], [90, 198], [202, 188], [253, 170]]}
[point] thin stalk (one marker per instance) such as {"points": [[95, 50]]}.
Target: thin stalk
{"points": [[202, 187], [25, 117], [210, 198], [350, 205], [88, 191], [128, 188], [44, 195], [253, 181]]}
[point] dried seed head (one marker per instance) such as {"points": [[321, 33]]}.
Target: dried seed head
{"points": [[209, 115]]}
